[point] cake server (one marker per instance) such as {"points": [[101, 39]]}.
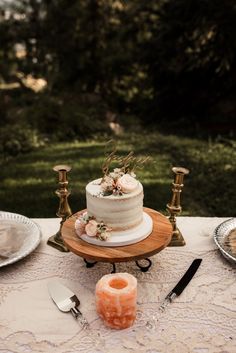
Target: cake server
{"points": [[66, 301], [175, 292], [182, 284]]}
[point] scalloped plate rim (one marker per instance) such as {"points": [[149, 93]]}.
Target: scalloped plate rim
{"points": [[216, 237], [32, 246]]}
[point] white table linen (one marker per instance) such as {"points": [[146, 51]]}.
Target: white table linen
{"points": [[201, 320]]}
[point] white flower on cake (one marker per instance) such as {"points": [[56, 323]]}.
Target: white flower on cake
{"points": [[107, 184], [79, 227], [87, 225], [104, 235], [116, 174], [127, 183]]}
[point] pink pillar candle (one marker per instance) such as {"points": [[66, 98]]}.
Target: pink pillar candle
{"points": [[116, 296]]}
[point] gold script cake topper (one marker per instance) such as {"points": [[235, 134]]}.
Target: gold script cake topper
{"points": [[127, 164]]}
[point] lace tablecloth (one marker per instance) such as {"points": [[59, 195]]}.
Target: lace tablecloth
{"points": [[201, 320]]}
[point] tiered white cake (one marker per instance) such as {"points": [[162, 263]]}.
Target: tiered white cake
{"points": [[114, 215], [119, 212]]}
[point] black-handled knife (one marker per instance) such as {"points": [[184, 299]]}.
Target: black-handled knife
{"points": [[183, 282]]}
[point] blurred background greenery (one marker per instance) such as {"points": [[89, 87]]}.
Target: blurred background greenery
{"points": [[157, 76]]}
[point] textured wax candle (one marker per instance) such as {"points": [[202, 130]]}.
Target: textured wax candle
{"points": [[116, 296]]}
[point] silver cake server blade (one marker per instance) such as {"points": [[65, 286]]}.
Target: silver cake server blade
{"points": [[66, 301]]}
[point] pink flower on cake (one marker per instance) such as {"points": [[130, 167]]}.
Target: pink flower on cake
{"points": [[127, 183], [79, 227], [87, 225], [91, 228]]}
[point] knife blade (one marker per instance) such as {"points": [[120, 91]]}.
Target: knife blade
{"points": [[182, 284], [66, 301]]}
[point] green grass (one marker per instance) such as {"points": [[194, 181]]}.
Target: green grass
{"points": [[28, 182]]}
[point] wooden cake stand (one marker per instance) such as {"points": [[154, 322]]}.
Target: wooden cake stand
{"points": [[154, 243]]}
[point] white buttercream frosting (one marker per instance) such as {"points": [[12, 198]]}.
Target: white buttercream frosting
{"points": [[117, 211]]}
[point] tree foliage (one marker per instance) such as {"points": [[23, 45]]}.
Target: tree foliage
{"points": [[150, 58]]}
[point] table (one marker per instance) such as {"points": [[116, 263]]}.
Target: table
{"points": [[202, 319]]}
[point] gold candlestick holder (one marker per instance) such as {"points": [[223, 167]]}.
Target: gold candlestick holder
{"points": [[174, 207], [64, 210]]}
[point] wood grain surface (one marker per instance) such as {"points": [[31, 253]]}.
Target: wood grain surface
{"points": [[155, 242]]}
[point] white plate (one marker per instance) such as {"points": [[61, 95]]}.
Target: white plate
{"points": [[22, 228], [221, 234]]}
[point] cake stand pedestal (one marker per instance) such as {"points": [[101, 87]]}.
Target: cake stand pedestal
{"points": [[154, 243]]}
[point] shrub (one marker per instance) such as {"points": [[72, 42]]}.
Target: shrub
{"points": [[18, 138], [66, 117]]}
